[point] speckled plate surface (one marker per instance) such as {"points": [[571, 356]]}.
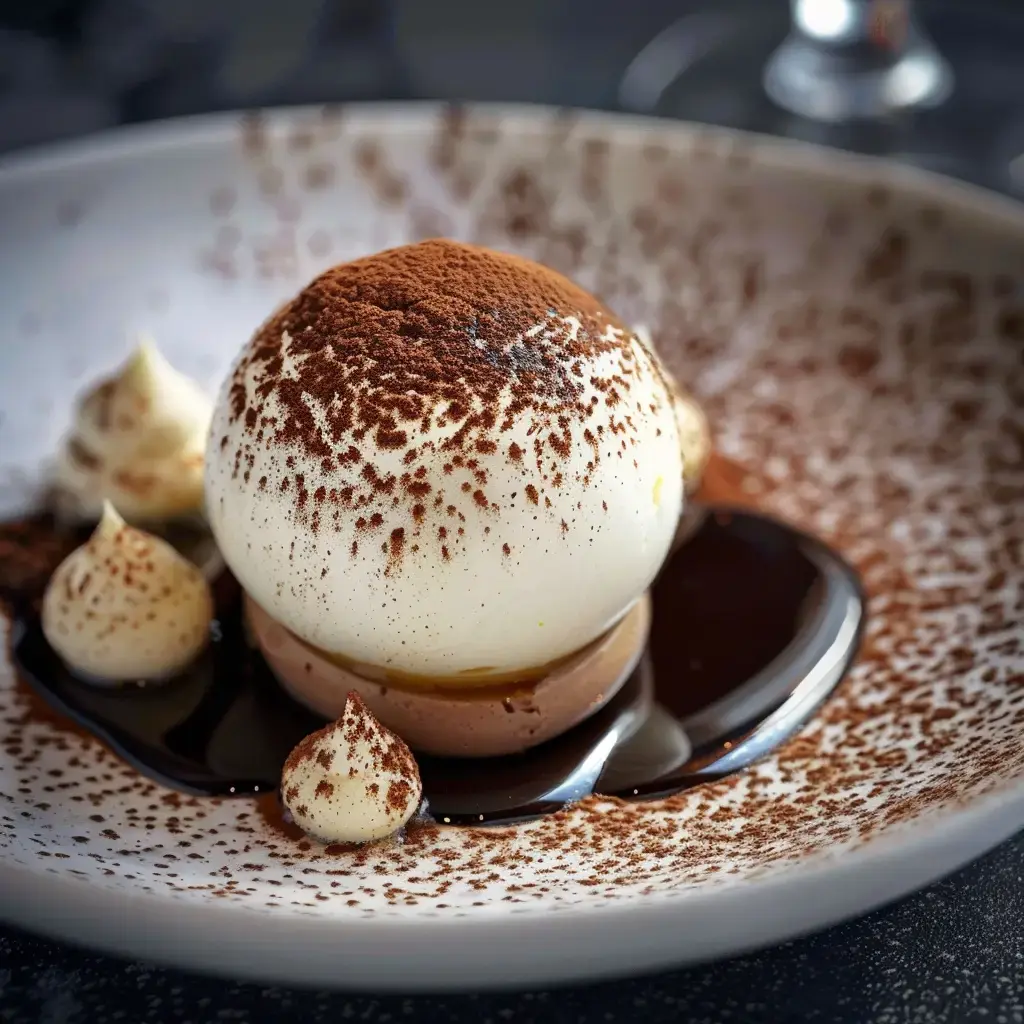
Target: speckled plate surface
{"points": [[856, 333]]}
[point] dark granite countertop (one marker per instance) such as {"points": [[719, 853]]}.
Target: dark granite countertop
{"points": [[954, 952]]}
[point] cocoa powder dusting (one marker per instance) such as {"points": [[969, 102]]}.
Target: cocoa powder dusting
{"points": [[431, 351]]}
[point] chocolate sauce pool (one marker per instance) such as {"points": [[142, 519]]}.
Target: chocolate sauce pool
{"points": [[754, 623]]}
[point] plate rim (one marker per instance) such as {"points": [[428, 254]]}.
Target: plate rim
{"points": [[121, 923], [997, 812]]}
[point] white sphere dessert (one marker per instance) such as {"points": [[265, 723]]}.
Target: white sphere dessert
{"points": [[445, 464]]}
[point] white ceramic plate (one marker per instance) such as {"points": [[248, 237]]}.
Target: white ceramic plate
{"points": [[855, 331]]}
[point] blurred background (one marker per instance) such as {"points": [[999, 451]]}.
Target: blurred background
{"points": [[939, 83]]}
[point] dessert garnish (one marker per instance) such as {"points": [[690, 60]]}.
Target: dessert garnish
{"points": [[352, 781], [691, 422], [694, 436], [137, 439], [125, 606]]}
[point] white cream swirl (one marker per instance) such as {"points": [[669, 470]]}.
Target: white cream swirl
{"points": [[125, 606], [138, 440]]}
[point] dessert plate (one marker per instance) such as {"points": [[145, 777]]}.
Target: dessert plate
{"points": [[854, 331]]}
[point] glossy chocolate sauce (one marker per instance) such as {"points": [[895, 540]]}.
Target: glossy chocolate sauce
{"points": [[754, 623]]}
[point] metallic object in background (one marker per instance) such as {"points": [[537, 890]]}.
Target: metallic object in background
{"points": [[863, 75], [855, 58]]}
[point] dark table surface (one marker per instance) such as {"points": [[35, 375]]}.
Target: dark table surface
{"points": [[954, 952]]}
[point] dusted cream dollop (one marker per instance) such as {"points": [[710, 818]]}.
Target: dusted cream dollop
{"points": [[352, 781], [691, 423], [138, 439], [126, 606], [694, 436]]}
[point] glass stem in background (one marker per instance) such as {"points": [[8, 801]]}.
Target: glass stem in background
{"points": [[855, 59]]}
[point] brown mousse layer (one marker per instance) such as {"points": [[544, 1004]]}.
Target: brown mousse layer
{"points": [[476, 722]]}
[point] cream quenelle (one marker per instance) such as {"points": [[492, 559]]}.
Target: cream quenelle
{"points": [[138, 439], [125, 606], [445, 464], [352, 781]]}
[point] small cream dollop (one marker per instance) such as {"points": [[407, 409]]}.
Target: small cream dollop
{"points": [[694, 436], [691, 423], [352, 781], [138, 439], [125, 606]]}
